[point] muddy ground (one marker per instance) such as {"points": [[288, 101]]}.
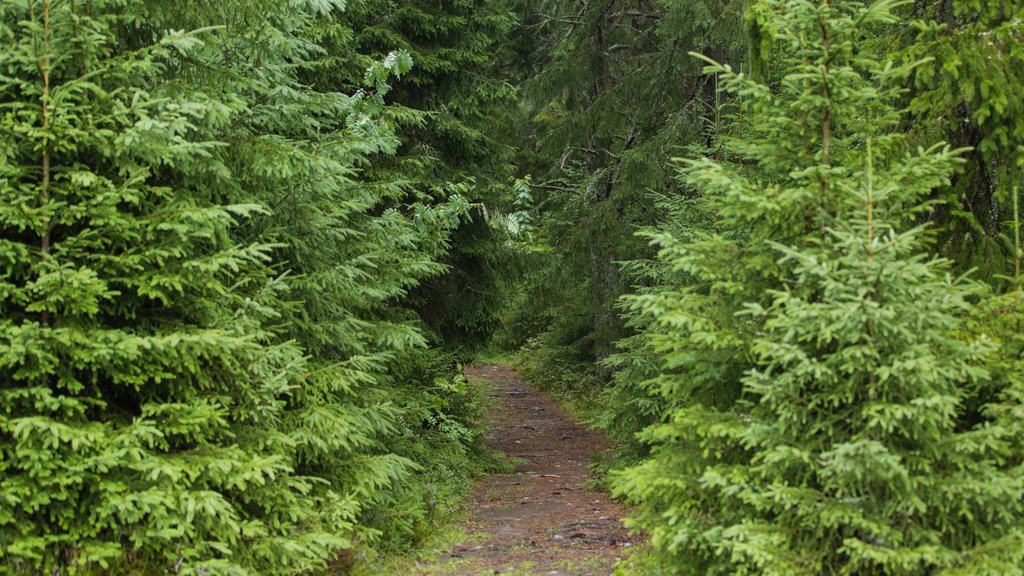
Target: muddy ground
{"points": [[542, 519]]}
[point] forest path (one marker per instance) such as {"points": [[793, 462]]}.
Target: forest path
{"points": [[541, 519]]}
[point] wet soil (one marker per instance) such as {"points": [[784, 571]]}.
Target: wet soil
{"points": [[541, 519]]}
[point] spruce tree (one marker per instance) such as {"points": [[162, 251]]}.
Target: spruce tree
{"points": [[143, 384], [818, 367], [862, 459], [353, 244], [207, 299]]}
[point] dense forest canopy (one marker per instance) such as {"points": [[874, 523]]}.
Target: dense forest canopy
{"points": [[247, 247]]}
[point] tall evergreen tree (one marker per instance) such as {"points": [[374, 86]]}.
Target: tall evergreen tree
{"points": [[818, 370], [356, 243], [209, 212], [144, 386]]}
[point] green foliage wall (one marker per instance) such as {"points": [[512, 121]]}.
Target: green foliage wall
{"points": [[611, 95], [454, 107], [245, 242], [828, 405], [211, 365], [144, 380], [967, 95]]}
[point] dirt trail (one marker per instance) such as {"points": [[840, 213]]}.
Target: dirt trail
{"points": [[542, 519]]}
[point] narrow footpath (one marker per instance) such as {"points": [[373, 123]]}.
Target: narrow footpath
{"points": [[542, 519]]}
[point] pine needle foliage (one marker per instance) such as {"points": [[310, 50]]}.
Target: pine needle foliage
{"points": [[968, 96], [611, 96], [144, 384], [454, 106], [818, 367], [211, 363], [356, 245], [634, 398], [244, 244]]}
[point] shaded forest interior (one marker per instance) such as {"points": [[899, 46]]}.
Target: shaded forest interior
{"points": [[772, 248]]}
